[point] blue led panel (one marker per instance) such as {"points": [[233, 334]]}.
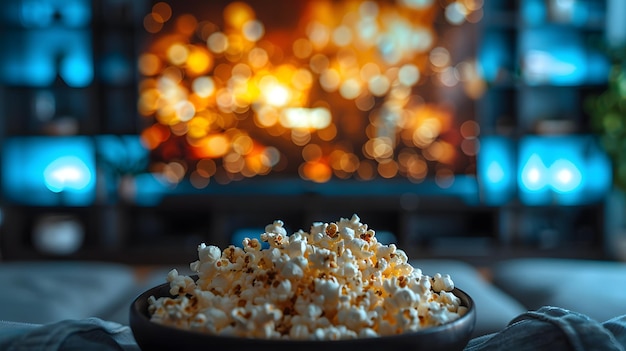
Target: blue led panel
{"points": [[565, 170], [495, 55], [559, 56], [46, 40], [45, 13], [49, 171], [554, 56], [37, 58], [496, 171]]}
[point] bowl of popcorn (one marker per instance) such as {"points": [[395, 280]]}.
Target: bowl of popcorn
{"points": [[333, 287]]}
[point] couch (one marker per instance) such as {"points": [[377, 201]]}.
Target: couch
{"points": [[50, 291]]}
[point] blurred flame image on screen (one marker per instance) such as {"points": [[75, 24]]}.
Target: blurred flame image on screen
{"points": [[321, 89]]}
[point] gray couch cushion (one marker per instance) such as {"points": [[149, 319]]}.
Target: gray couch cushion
{"points": [[494, 309], [146, 278], [594, 288], [50, 291]]}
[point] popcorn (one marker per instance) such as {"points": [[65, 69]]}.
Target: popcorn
{"points": [[442, 282], [334, 282], [179, 284]]}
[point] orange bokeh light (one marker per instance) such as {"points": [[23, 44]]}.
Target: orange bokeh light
{"points": [[211, 146], [336, 95], [317, 171]]}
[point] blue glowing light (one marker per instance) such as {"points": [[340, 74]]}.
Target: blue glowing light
{"points": [[534, 174], [50, 170], [36, 13], [495, 169], [566, 170], [558, 56], [494, 55], [533, 12], [76, 13], [77, 69], [495, 173], [44, 13], [565, 176], [41, 56], [67, 172]]}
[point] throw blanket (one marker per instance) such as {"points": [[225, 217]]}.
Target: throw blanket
{"points": [[549, 328], [85, 334], [556, 329]]}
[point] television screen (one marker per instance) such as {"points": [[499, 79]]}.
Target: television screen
{"points": [[313, 90]]}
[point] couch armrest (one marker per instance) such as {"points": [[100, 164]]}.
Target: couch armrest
{"points": [[594, 288]]}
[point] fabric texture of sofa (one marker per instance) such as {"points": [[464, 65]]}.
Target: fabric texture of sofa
{"points": [[594, 288], [42, 292]]}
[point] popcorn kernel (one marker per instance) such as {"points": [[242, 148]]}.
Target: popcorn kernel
{"points": [[334, 282]]}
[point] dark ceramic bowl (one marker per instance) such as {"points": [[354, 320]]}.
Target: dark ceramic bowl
{"points": [[152, 336]]}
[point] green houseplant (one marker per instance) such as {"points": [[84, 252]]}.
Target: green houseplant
{"points": [[607, 112], [608, 115]]}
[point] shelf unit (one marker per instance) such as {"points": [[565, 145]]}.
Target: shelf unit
{"points": [[427, 226], [541, 60], [68, 70], [540, 66]]}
